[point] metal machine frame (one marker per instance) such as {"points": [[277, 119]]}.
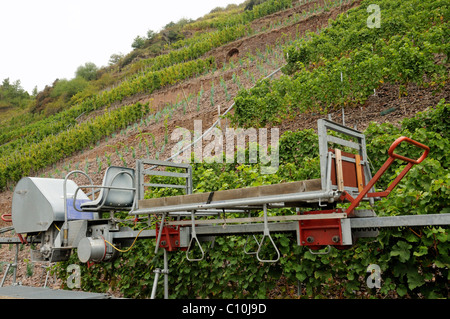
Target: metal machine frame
{"points": [[316, 221]]}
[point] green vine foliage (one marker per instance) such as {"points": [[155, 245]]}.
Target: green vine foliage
{"points": [[183, 60], [343, 65], [26, 134], [47, 142], [414, 262], [55, 147]]}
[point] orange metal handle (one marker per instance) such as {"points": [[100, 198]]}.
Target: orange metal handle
{"points": [[410, 141], [392, 156]]}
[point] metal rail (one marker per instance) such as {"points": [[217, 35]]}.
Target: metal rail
{"points": [[401, 221], [278, 225], [241, 203]]}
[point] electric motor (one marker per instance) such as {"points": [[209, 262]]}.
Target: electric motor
{"points": [[94, 249]]}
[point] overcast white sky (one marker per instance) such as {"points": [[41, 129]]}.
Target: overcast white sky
{"points": [[42, 40]]}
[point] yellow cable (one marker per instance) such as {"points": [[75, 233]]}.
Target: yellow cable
{"points": [[126, 250], [122, 251]]}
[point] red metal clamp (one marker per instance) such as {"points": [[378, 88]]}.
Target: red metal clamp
{"points": [[317, 233], [170, 237]]}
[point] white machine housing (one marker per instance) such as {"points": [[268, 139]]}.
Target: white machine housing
{"points": [[39, 202]]}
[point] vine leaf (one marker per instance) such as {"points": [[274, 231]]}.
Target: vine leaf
{"points": [[401, 249]]}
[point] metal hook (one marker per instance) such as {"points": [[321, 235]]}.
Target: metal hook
{"points": [[267, 234], [194, 237], [273, 244], [189, 249]]}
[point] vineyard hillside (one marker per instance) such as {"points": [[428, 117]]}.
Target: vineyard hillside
{"points": [[283, 64]]}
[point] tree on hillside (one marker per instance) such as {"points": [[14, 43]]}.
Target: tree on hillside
{"points": [[173, 32], [35, 91], [88, 71], [171, 36], [12, 94], [56, 97], [43, 98], [115, 58], [68, 88], [138, 42], [151, 35]]}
